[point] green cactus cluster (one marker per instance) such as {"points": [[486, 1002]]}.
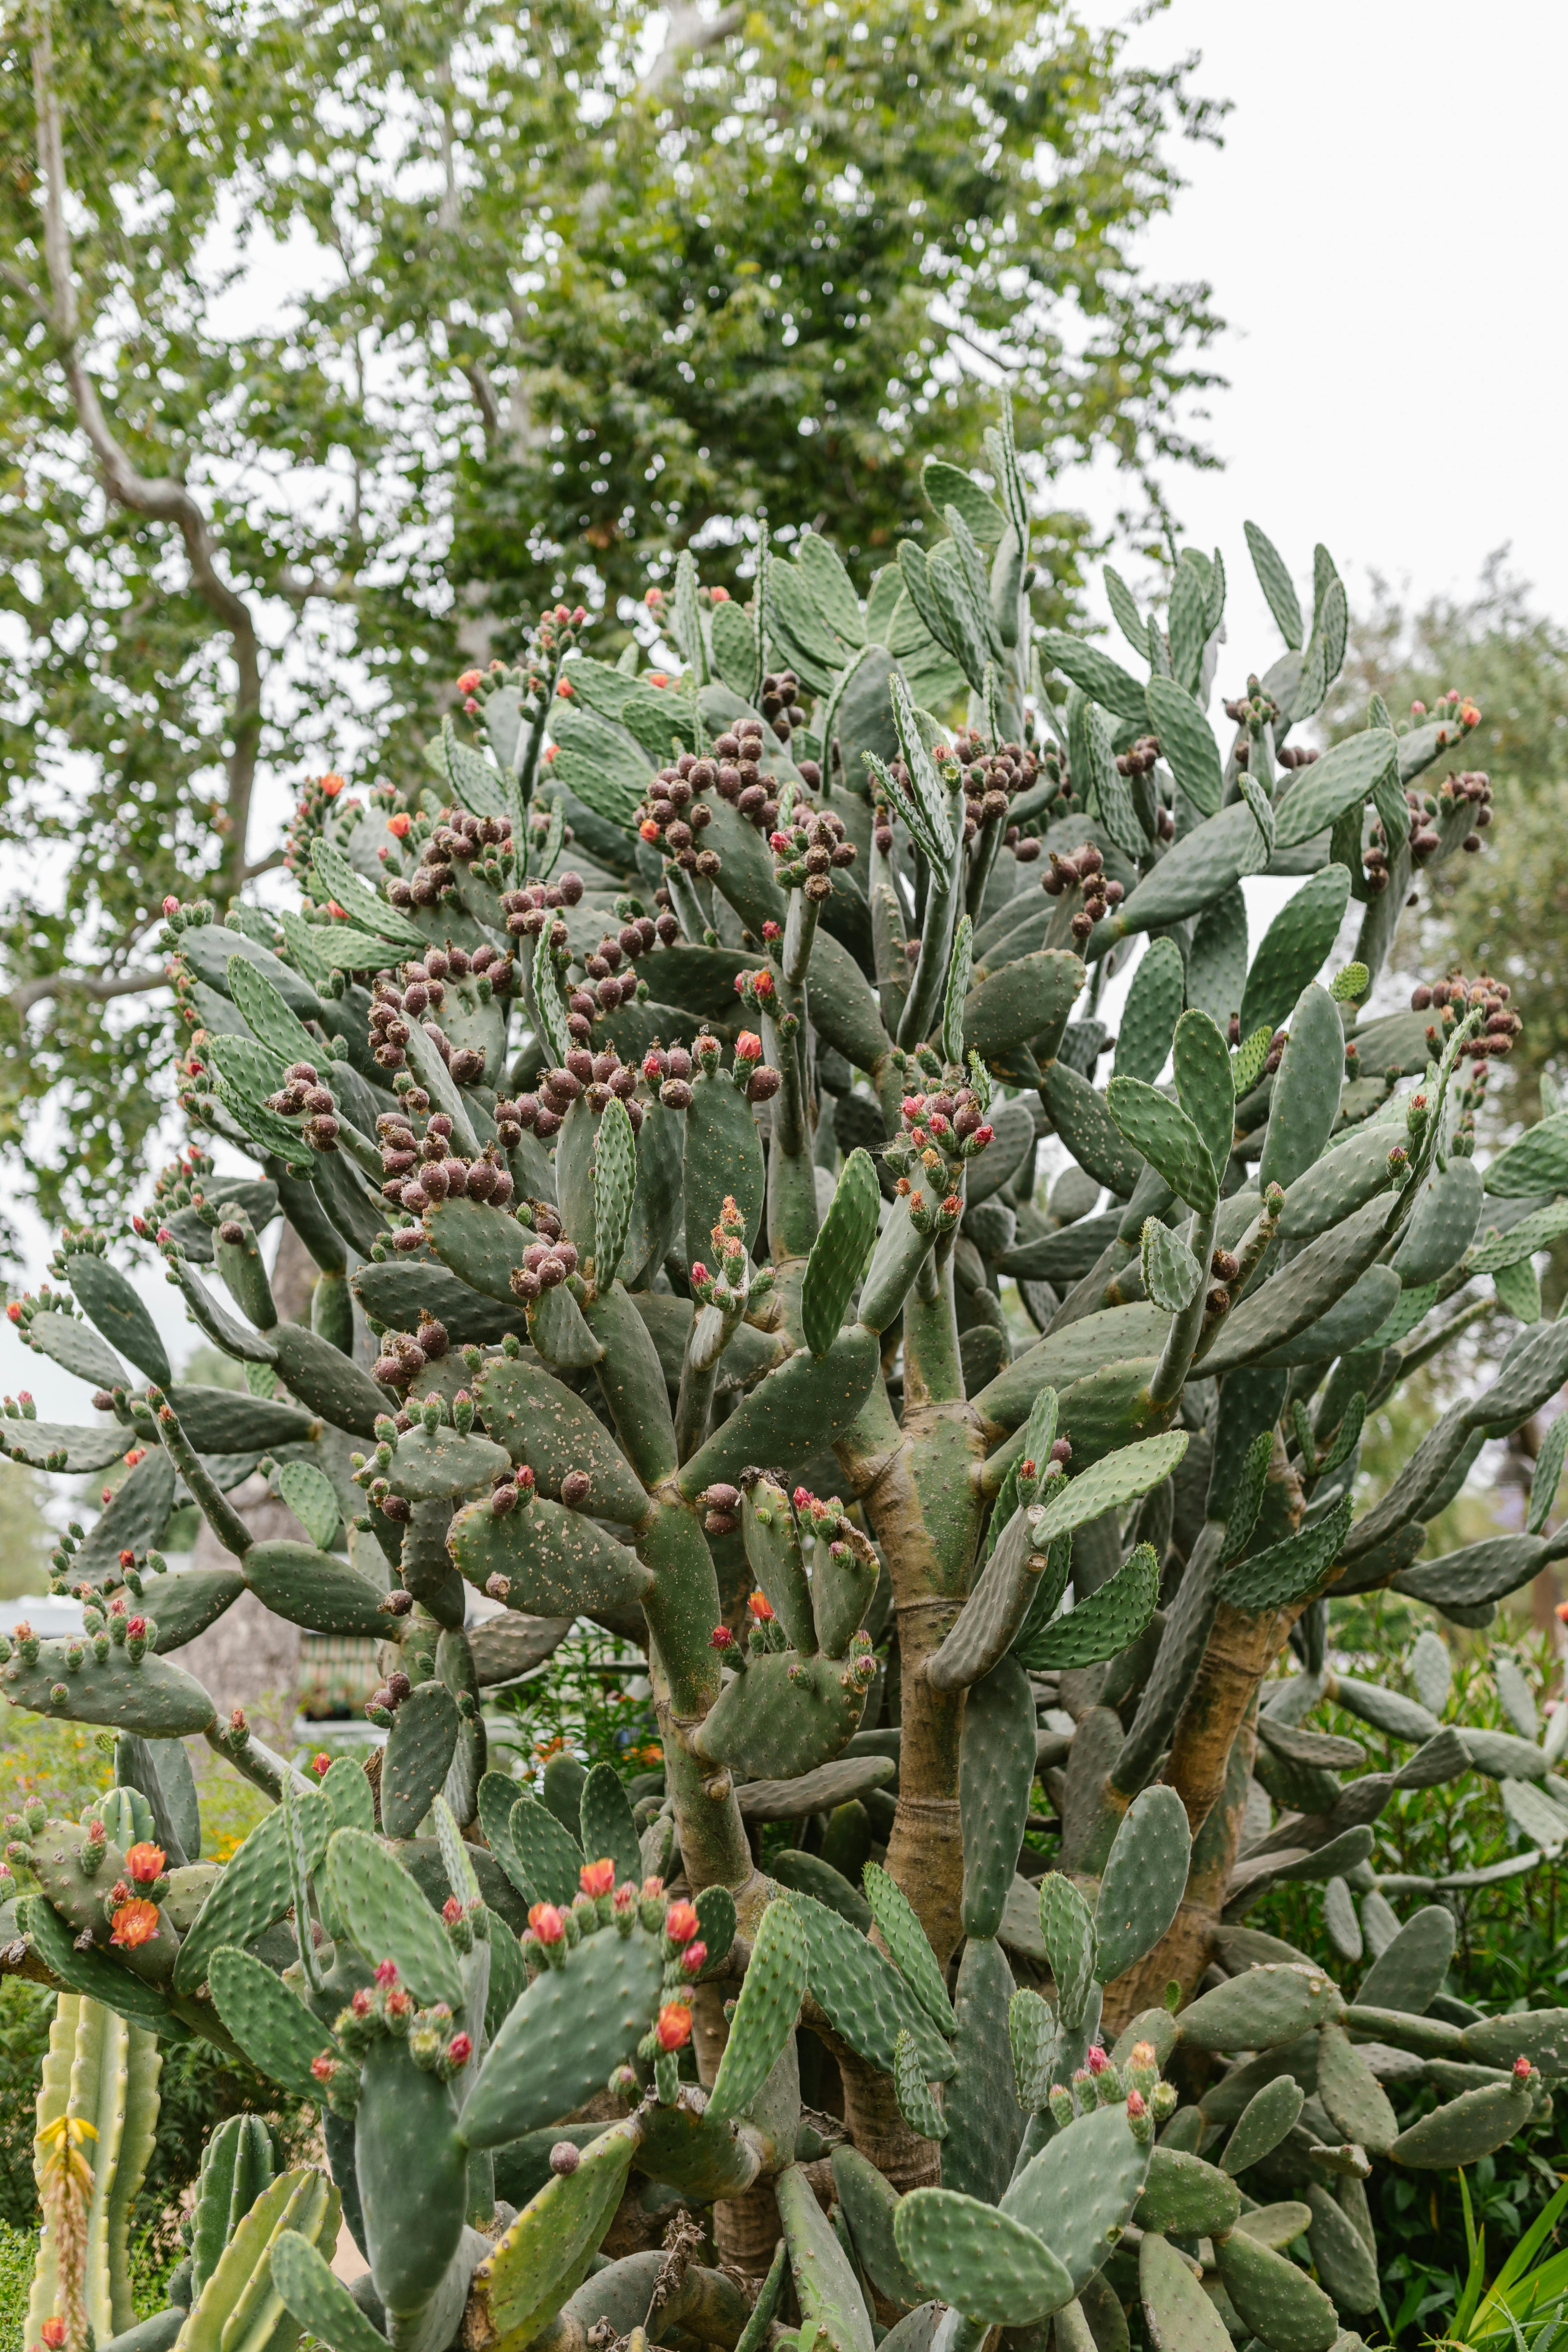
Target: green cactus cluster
{"points": [[660, 1091]]}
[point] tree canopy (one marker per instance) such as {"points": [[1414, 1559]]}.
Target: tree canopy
{"points": [[561, 291]]}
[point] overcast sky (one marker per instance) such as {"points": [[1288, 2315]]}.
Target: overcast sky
{"points": [[1383, 227]]}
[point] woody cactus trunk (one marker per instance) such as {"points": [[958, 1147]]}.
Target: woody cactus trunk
{"points": [[661, 1091]]}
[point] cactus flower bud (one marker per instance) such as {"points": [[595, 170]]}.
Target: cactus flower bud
{"points": [[460, 2050], [385, 1973], [1523, 2069], [673, 2029], [721, 1638], [694, 1960], [323, 2066]]}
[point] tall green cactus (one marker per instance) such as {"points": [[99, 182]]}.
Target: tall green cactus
{"points": [[660, 1090]]}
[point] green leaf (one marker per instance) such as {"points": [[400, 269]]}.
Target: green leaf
{"points": [[549, 1003], [1150, 1015], [1247, 1500], [1116, 1478], [615, 1181], [1547, 1474], [946, 485], [840, 1253], [1187, 741], [309, 1495], [1067, 1924], [1124, 607], [1103, 1625], [1262, 808], [1290, 1572], [1274, 579], [1341, 779], [1205, 1088], [958, 973], [1171, 1275], [1099, 678], [1161, 1130]]}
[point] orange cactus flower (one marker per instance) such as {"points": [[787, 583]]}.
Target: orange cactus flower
{"points": [[674, 2026], [135, 1923], [597, 1877], [145, 1862]]}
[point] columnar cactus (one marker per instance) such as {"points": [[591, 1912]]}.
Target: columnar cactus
{"points": [[660, 1091]]}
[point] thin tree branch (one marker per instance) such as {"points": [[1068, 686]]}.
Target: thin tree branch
{"points": [[99, 987], [688, 30], [162, 497]]}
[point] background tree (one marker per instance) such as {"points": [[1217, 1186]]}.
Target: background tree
{"points": [[1505, 912], [560, 299]]}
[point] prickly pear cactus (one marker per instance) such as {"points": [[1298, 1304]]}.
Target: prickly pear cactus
{"points": [[660, 1090]]}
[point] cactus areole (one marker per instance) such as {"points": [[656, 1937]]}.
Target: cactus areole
{"points": [[666, 1091]]}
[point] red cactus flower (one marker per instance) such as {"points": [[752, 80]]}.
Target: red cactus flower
{"points": [[53, 2333], [399, 2003], [720, 1638], [171, 906], [360, 2004], [658, 677], [1097, 2061], [468, 681], [460, 2050], [451, 1910], [322, 1765], [127, 1560], [597, 1877], [1523, 2069], [674, 2026], [333, 785], [762, 1608], [385, 1973], [547, 1923], [1136, 2104], [145, 1862], [748, 1047], [680, 1922], [323, 2066], [694, 1958], [647, 829]]}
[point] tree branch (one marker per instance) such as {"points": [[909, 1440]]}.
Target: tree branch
{"points": [[99, 987], [162, 497], [688, 30]]}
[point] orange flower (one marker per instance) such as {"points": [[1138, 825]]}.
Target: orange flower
{"points": [[53, 2333], [1469, 714], [468, 681], [333, 786], [761, 1607], [135, 1923], [674, 2026], [145, 1862], [597, 1877]]}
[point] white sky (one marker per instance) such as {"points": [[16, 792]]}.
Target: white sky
{"points": [[1383, 227]]}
